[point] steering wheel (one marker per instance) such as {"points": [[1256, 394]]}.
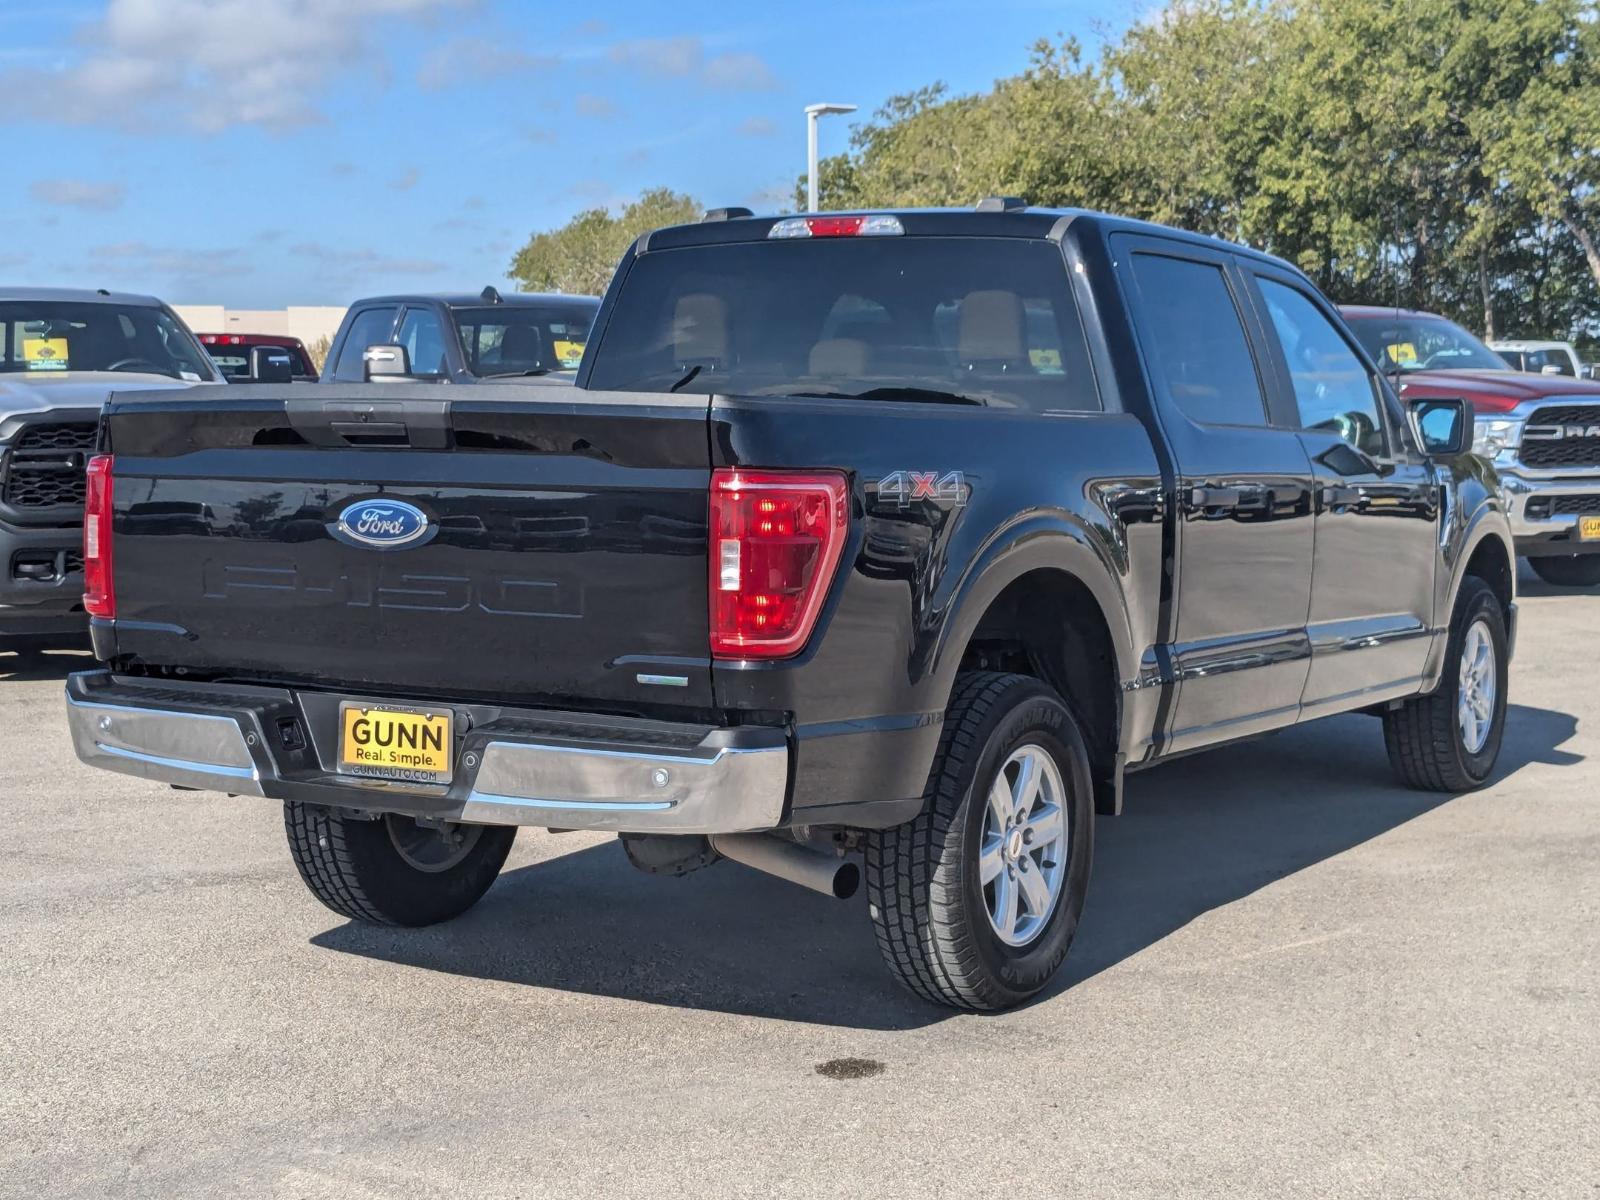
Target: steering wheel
{"points": [[1428, 362], [128, 364]]}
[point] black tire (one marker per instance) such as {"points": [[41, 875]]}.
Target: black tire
{"points": [[1567, 570], [928, 905], [1423, 736], [357, 869]]}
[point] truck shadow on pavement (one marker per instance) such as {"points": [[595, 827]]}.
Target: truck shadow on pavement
{"points": [[51, 664], [1196, 834]]}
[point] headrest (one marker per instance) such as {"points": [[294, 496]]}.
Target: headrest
{"points": [[700, 328], [839, 356], [991, 327], [520, 344]]}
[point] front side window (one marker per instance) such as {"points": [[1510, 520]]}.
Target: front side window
{"points": [[49, 337], [965, 320], [369, 327], [1332, 387], [423, 337], [1197, 341]]}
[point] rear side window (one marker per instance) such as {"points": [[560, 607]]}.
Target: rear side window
{"points": [[966, 320], [369, 327], [1196, 341]]}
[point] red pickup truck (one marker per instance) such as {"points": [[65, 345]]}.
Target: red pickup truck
{"points": [[1541, 432]]}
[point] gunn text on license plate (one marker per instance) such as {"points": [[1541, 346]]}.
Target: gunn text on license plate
{"points": [[411, 744], [1589, 528]]}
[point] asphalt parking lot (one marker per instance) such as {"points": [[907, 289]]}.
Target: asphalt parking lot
{"points": [[1293, 977]]}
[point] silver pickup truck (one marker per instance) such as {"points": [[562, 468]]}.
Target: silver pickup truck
{"points": [[62, 352]]}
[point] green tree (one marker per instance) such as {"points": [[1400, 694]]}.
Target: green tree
{"points": [[581, 256]]}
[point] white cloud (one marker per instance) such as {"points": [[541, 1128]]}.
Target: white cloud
{"points": [[355, 267], [208, 64], [406, 180], [686, 58], [598, 107], [739, 73], [78, 193], [143, 261], [757, 127], [468, 60]]}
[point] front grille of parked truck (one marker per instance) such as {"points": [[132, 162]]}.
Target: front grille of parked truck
{"points": [[1572, 448], [44, 468]]}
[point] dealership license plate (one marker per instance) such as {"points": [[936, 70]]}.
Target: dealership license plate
{"points": [[1589, 528], [408, 744]]}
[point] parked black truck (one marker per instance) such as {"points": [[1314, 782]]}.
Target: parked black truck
{"points": [[901, 534]]}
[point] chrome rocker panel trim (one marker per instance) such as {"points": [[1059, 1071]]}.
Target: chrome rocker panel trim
{"points": [[711, 787]]}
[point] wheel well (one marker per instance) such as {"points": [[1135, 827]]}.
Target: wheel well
{"points": [[1047, 624], [1492, 563]]}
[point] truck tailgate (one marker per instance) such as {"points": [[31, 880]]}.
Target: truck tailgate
{"points": [[555, 548]]}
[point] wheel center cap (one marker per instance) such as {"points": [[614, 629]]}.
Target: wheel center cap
{"points": [[1014, 844]]}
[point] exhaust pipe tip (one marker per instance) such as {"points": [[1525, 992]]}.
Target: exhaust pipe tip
{"points": [[779, 857], [846, 880]]}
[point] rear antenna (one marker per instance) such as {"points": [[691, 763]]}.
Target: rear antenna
{"points": [[489, 295]]}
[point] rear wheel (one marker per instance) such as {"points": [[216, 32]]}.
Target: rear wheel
{"points": [[976, 901], [394, 870], [1568, 570], [1448, 741]]}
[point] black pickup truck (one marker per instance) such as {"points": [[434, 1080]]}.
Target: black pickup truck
{"points": [[891, 539]]}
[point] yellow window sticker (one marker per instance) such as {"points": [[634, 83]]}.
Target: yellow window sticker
{"points": [[44, 354], [1401, 352], [1046, 362], [570, 354]]}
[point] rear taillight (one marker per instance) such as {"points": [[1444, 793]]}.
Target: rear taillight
{"points": [[776, 538], [99, 596]]}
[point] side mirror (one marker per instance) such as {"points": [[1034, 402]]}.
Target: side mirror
{"points": [[270, 364], [1444, 427], [385, 362]]}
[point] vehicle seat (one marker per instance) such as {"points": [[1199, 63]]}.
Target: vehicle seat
{"points": [[522, 344], [838, 358], [991, 334]]}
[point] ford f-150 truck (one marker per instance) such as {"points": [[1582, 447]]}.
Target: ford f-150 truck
{"points": [[877, 542], [1541, 432], [61, 353]]}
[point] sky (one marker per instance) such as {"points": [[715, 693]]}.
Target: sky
{"points": [[264, 153]]}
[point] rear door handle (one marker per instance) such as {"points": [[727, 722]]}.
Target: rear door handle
{"points": [[1342, 495], [1218, 500]]}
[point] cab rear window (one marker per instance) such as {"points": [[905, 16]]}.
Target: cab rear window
{"points": [[964, 320]]}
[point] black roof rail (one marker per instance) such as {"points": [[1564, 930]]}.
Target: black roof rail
{"points": [[490, 296], [726, 214], [1002, 204]]}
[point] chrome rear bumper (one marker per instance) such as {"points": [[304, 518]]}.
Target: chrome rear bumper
{"points": [[513, 767]]}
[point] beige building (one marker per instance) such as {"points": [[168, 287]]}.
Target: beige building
{"points": [[309, 324]]}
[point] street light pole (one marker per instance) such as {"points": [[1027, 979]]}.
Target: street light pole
{"points": [[813, 111]]}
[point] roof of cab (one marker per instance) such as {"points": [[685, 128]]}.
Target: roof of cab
{"points": [[1019, 222], [79, 296], [476, 299]]}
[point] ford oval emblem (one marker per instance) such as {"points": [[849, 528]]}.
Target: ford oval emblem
{"points": [[384, 525]]}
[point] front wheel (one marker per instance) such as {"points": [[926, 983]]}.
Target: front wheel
{"points": [[1448, 741], [975, 902], [394, 870], [1567, 570]]}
